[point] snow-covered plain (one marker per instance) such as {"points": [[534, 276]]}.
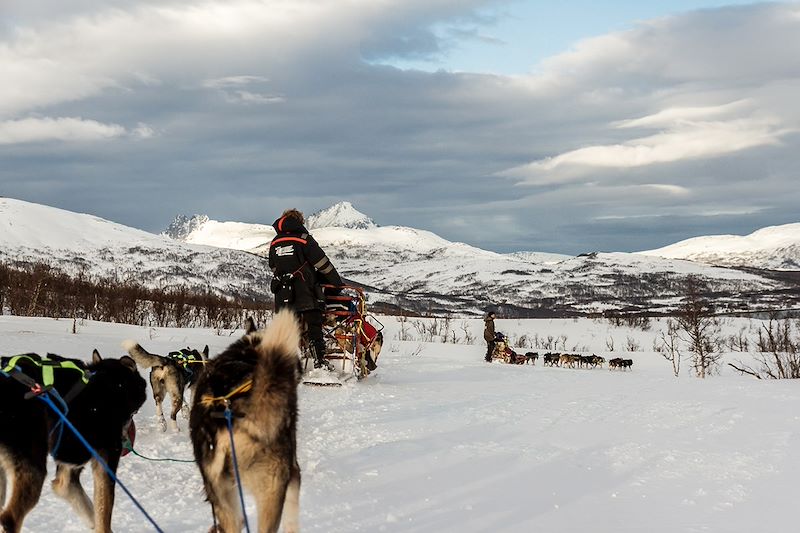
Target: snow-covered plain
{"points": [[438, 440]]}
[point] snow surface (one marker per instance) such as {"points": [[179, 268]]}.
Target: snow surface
{"points": [[438, 440], [775, 247]]}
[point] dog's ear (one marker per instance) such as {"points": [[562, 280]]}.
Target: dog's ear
{"points": [[250, 326], [128, 363], [204, 355], [96, 357]]}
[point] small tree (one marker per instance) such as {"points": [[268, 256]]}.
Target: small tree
{"points": [[669, 346], [610, 343], [739, 342], [469, 338], [403, 334], [631, 344], [696, 320]]}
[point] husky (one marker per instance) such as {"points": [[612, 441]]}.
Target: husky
{"points": [[531, 357], [256, 378], [101, 398], [173, 374]]}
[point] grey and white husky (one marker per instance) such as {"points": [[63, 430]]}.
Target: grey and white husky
{"points": [[173, 374]]}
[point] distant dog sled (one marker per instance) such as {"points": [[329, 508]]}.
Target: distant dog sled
{"points": [[503, 353]]}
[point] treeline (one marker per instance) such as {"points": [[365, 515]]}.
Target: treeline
{"points": [[41, 290]]}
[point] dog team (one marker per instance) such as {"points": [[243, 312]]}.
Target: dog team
{"points": [[255, 380]]}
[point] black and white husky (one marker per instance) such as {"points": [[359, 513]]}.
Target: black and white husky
{"points": [[101, 411], [257, 378], [169, 375]]}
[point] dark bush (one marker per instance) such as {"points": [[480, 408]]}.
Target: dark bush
{"points": [[40, 290]]}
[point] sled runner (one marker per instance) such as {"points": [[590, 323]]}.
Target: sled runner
{"points": [[354, 339]]}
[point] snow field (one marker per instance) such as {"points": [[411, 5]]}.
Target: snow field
{"points": [[438, 440]]}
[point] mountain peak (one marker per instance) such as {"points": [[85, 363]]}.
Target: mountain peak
{"points": [[341, 215], [182, 226]]}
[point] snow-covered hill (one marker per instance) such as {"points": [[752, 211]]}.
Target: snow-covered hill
{"points": [[76, 242], [410, 267], [774, 247], [401, 266]]}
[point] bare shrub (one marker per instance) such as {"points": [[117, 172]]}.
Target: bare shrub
{"points": [[39, 290], [523, 342], [403, 333], [631, 344], [779, 352], [469, 338], [562, 339], [669, 346], [738, 342]]}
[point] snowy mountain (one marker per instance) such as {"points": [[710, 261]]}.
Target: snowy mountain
{"points": [[413, 268], [401, 266], [341, 215], [774, 247], [76, 242]]}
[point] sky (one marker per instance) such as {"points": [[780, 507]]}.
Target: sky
{"points": [[508, 125]]}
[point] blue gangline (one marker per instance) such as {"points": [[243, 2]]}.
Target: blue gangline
{"points": [[228, 417], [46, 399]]}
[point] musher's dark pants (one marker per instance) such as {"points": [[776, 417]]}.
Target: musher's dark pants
{"points": [[313, 321]]}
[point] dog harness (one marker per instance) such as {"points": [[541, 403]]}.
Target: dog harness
{"points": [[186, 357], [210, 401], [48, 367]]}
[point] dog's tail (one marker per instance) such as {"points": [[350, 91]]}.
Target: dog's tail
{"points": [[142, 357], [277, 373]]}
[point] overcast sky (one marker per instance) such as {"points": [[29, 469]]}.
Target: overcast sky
{"points": [[607, 127]]}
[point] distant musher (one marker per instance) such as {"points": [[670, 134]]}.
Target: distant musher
{"points": [[299, 268], [489, 335]]}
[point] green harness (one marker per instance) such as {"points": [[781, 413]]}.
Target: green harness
{"points": [[185, 357], [47, 366], [40, 390]]}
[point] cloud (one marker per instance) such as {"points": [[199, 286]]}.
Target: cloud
{"points": [[675, 190], [673, 116], [69, 129], [245, 107], [685, 140], [232, 81], [236, 89]]}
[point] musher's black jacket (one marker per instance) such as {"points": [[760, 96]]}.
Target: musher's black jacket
{"points": [[294, 252]]}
